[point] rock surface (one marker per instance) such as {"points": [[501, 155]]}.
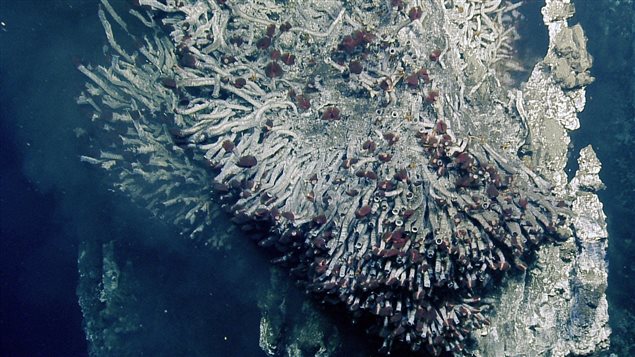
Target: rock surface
{"points": [[559, 307]]}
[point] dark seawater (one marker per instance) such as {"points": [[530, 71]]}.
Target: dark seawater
{"points": [[50, 202], [608, 124], [194, 301], [41, 204]]}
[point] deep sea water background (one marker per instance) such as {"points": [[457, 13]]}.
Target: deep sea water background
{"points": [[608, 123], [49, 201]]}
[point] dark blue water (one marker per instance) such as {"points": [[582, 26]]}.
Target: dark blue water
{"points": [[50, 202], [39, 314], [608, 124]]}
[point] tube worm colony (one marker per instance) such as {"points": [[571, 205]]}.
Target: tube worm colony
{"points": [[339, 134]]}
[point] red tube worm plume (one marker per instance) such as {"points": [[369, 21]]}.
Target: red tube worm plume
{"points": [[492, 191], [348, 44], [246, 161], [331, 113], [228, 145], [263, 43], [434, 56], [274, 55], [355, 67], [168, 83], [441, 127], [240, 82], [188, 60], [386, 84], [288, 58], [356, 40], [369, 145], [432, 95], [362, 211], [397, 3], [273, 70], [415, 13], [423, 74], [412, 80], [285, 27], [303, 102], [384, 157], [370, 175], [401, 175], [271, 30], [391, 138], [319, 220]]}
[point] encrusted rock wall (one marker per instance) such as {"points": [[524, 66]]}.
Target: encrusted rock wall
{"points": [[559, 307]]}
